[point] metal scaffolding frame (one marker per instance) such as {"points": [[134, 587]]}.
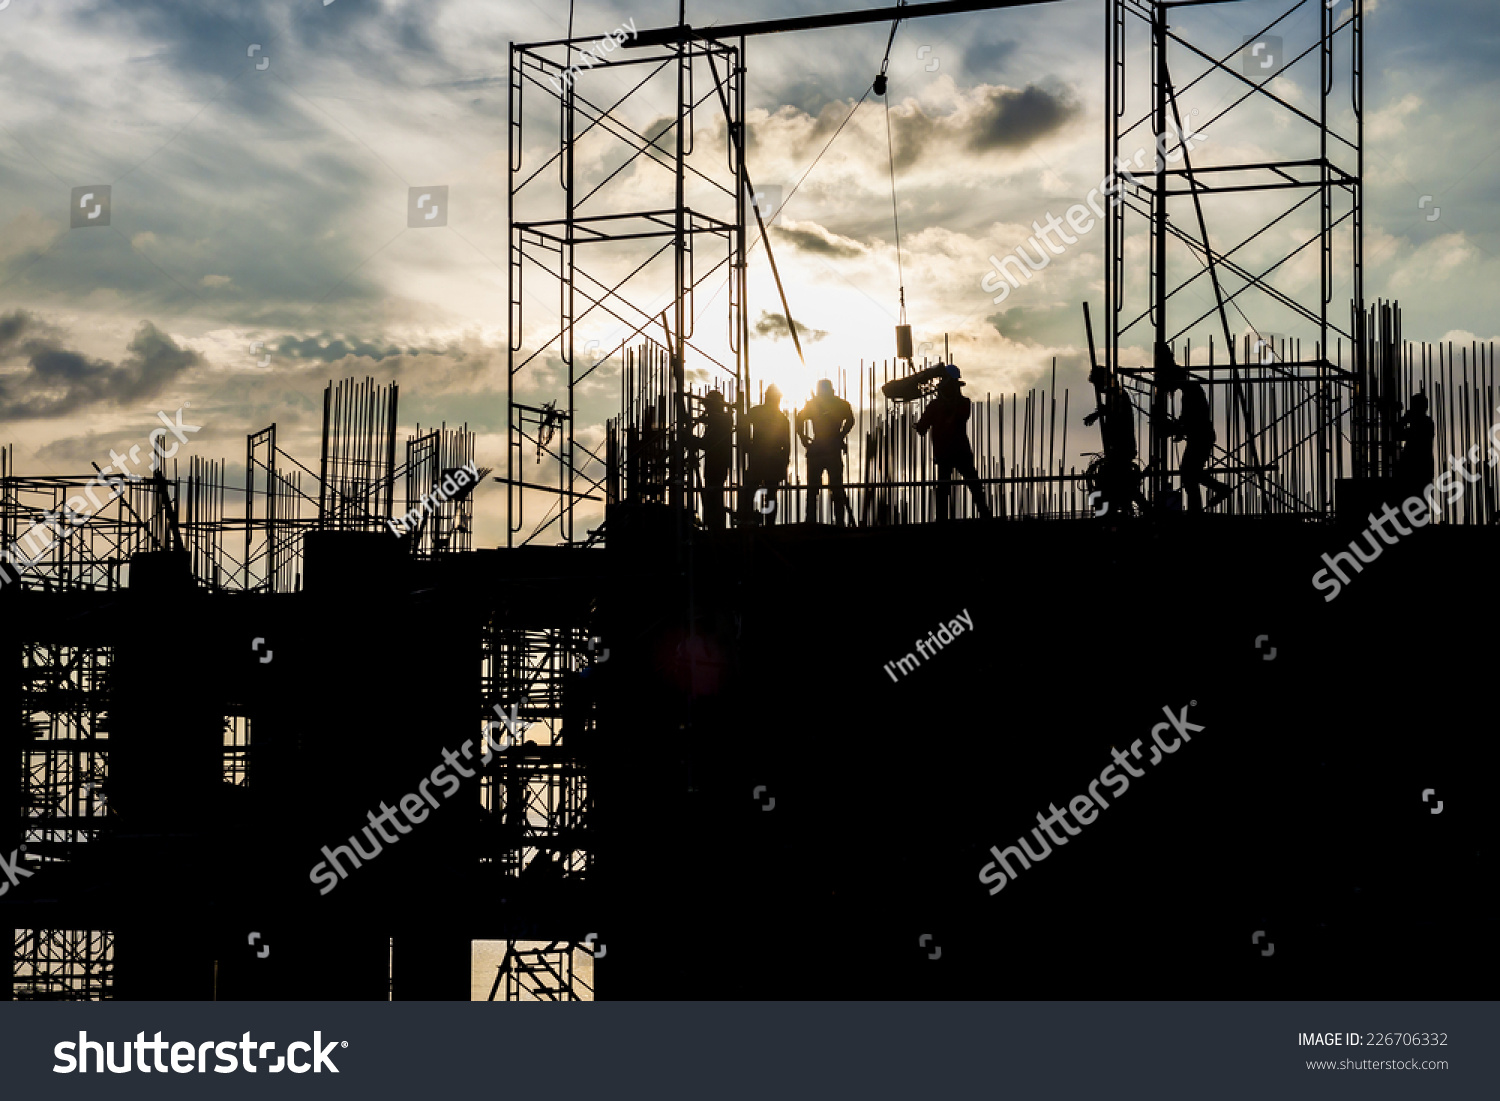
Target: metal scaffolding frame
{"points": [[539, 972], [617, 265], [537, 791], [1183, 250], [63, 965], [447, 526]]}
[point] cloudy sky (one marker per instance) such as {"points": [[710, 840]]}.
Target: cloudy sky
{"points": [[259, 155]]}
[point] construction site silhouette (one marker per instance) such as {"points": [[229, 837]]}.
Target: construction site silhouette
{"points": [[262, 715]]}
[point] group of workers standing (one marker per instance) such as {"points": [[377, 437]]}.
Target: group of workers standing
{"points": [[766, 438], [822, 426]]}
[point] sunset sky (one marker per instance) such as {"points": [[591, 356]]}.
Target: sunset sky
{"points": [[269, 203]]}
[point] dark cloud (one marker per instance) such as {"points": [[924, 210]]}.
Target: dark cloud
{"points": [[61, 382], [208, 39], [1005, 119], [818, 242], [328, 349], [660, 133], [773, 325], [1011, 119]]}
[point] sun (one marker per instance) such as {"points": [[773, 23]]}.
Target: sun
{"points": [[798, 382]]}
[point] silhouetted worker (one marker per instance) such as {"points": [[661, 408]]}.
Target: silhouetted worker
{"points": [[1195, 424], [947, 416], [831, 418], [717, 445], [1414, 467], [1119, 478], [767, 452]]}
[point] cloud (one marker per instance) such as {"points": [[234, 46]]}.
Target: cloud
{"points": [[1435, 261], [1011, 120], [60, 382], [326, 348], [994, 118], [773, 325], [27, 232], [818, 240], [1390, 122]]}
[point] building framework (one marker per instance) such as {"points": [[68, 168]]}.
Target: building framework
{"points": [[605, 260], [246, 543]]}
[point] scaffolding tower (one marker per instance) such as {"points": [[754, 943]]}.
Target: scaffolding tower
{"points": [[1223, 235]]}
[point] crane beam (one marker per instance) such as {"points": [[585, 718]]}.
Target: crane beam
{"points": [[662, 36]]}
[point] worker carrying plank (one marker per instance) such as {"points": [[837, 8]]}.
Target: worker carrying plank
{"points": [[947, 418], [831, 418]]}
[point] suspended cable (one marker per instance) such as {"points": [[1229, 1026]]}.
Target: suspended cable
{"points": [[881, 88], [895, 210], [880, 79]]}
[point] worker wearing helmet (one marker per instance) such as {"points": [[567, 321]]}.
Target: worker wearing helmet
{"points": [[717, 446], [947, 418], [831, 418], [767, 446]]}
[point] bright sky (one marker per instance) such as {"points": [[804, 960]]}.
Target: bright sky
{"points": [[269, 204]]}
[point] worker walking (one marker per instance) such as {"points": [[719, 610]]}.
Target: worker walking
{"points": [[1194, 424], [947, 417], [831, 418], [1119, 479], [717, 447], [768, 450]]}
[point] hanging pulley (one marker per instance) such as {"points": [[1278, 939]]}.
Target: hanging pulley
{"points": [[880, 81]]}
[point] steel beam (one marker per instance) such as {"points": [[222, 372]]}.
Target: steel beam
{"points": [[663, 36]]}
